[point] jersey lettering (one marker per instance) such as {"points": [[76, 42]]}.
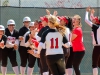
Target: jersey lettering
{"points": [[52, 43]]}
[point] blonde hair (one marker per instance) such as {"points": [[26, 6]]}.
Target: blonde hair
{"points": [[79, 18], [61, 29]]}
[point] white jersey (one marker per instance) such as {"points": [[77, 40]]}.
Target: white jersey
{"points": [[54, 41], [12, 38]]}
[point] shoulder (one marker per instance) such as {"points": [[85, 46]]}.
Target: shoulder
{"points": [[42, 28], [27, 33], [22, 28], [95, 26], [67, 30], [78, 29], [6, 29], [46, 32]]}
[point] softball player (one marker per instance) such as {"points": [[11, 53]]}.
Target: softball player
{"points": [[92, 34], [42, 54], [53, 38], [3, 40], [95, 25], [28, 44], [77, 43], [22, 49], [67, 22], [11, 47]]}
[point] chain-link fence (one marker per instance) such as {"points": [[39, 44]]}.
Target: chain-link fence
{"points": [[36, 9]]}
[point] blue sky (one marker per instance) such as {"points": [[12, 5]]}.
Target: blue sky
{"points": [[55, 3]]}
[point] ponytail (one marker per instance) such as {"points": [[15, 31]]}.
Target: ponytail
{"points": [[60, 29]]}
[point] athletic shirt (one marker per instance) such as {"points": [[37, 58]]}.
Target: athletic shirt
{"points": [[68, 35], [77, 43], [41, 32], [12, 38], [22, 32], [54, 41]]}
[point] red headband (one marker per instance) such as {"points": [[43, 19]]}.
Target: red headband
{"points": [[64, 18], [44, 18], [97, 20]]}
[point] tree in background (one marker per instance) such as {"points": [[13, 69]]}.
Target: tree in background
{"points": [[5, 3]]}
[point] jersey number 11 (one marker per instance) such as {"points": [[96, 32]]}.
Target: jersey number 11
{"points": [[52, 43]]}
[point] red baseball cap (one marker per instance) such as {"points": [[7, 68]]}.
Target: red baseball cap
{"points": [[64, 18], [44, 18]]}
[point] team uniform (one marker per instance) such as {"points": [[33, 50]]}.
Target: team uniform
{"points": [[22, 49], [43, 63], [67, 22], [78, 49], [12, 38], [69, 57], [32, 59], [54, 51], [96, 43], [3, 39], [66, 53]]}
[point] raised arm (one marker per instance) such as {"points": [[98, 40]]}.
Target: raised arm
{"points": [[87, 18], [92, 14]]}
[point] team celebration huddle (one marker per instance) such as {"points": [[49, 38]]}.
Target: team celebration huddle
{"points": [[56, 42]]}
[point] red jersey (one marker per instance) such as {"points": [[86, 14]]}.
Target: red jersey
{"points": [[78, 41]]}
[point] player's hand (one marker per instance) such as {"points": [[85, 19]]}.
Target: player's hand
{"points": [[37, 55], [21, 38], [48, 12], [92, 11], [55, 13], [1, 44], [31, 52], [15, 47], [34, 54], [88, 9]]}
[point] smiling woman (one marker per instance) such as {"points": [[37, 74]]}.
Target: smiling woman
{"points": [[77, 42]]}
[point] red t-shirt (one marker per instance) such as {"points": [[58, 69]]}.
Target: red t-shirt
{"points": [[78, 41]]}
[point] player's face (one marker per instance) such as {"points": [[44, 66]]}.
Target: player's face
{"points": [[33, 33], [1, 32], [36, 25], [62, 22], [11, 27], [75, 21], [26, 23], [32, 28], [44, 23]]}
